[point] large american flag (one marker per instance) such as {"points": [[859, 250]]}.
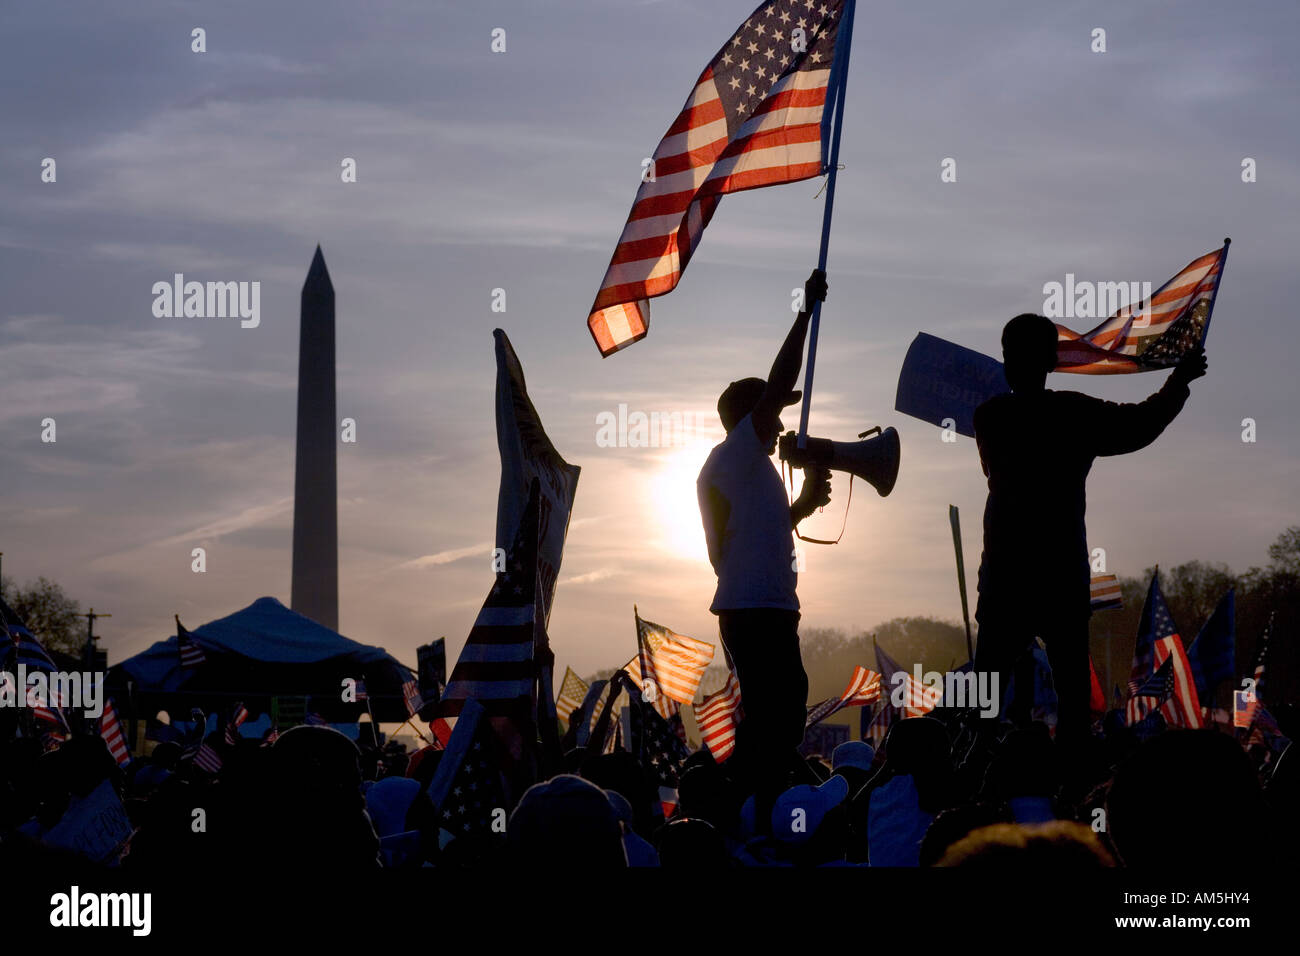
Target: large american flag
{"points": [[669, 666], [497, 666], [755, 117], [718, 716], [1152, 334], [863, 688]]}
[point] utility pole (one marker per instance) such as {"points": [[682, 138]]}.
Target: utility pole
{"points": [[91, 656]]}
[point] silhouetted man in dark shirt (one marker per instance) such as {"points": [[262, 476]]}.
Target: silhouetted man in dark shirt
{"points": [[1037, 446]]}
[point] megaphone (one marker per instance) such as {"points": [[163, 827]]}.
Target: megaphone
{"points": [[871, 459]]}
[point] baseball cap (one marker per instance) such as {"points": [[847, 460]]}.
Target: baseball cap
{"points": [[814, 802], [853, 753], [739, 398]]}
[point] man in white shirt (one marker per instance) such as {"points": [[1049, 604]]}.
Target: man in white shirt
{"points": [[748, 524]]}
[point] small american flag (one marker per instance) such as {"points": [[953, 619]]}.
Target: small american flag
{"points": [[1245, 707], [272, 735], [718, 716], [572, 693], [1152, 334], [863, 688], [314, 719], [361, 689], [1151, 694], [918, 700], [236, 721], [1155, 623], [669, 666], [411, 694], [191, 654], [110, 728], [1106, 593], [755, 117], [208, 759]]}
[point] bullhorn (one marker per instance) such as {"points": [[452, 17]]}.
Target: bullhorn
{"points": [[871, 459]]}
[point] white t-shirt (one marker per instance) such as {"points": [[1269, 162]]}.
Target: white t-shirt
{"points": [[755, 558]]}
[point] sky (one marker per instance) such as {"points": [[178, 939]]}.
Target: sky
{"points": [[479, 171]]}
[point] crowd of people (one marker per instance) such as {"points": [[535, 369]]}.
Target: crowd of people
{"points": [[935, 794]]}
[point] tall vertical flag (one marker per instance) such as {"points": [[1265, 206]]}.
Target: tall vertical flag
{"points": [[1212, 655], [1155, 333], [756, 117], [718, 715], [527, 456], [191, 654], [497, 666], [863, 688]]}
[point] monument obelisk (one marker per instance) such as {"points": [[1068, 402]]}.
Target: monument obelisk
{"points": [[315, 592]]}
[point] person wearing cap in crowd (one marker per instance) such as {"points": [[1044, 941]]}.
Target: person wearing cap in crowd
{"points": [[748, 525], [852, 760], [568, 820], [808, 827]]}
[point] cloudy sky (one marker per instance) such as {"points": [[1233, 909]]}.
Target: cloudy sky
{"points": [[479, 171]]}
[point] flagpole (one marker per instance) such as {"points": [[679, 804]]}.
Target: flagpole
{"points": [[955, 520], [1209, 313], [842, 65]]}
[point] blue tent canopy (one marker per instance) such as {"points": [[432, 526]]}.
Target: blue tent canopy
{"points": [[266, 650]]}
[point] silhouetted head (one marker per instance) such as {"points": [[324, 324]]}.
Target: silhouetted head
{"points": [[1033, 848], [691, 844], [1189, 799], [1028, 351], [740, 398], [566, 819]]}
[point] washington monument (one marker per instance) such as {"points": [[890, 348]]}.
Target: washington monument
{"points": [[315, 592]]}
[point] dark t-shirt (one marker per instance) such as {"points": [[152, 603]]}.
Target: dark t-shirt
{"points": [[1037, 449]]}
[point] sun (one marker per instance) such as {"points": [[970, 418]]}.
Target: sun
{"points": [[676, 510]]}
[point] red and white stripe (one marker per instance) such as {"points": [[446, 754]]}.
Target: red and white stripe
{"points": [[110, 728], [1110, 348], [1106, 592], [863, 688], [1183, 709], [718, 716]]}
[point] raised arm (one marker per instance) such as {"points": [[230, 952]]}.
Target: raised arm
{"points": [[785, 370], [1118, 429]]}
